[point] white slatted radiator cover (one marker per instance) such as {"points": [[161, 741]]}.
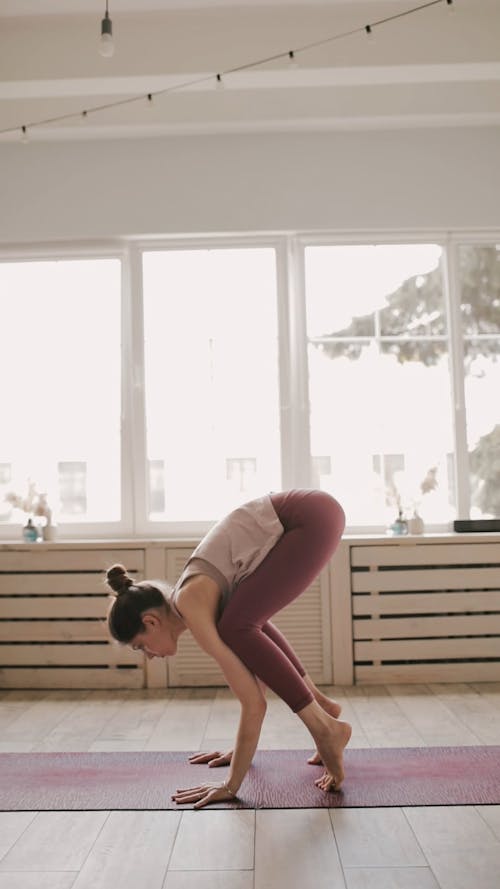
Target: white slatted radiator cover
{"points": [[426, 612], [305, 623], [53, 605]]}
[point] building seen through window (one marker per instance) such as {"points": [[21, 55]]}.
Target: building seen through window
{"points": [[72, 477]]}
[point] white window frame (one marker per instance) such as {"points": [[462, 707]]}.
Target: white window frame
{"points": [[75, 251], [144, 527], [450, 242], [293, 365], [462, 468]]}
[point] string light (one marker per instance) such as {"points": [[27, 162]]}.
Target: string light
{"points": [[292, 59], [106, 45], [369, 32], [106, 42]]}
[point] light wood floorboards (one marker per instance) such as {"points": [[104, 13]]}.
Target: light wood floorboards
{"points": [[390, 848]]}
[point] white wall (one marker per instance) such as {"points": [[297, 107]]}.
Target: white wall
{"points": [[408, 179]]}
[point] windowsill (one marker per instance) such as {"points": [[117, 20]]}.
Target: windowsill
{"points": [[158, 542], [98, 543]]}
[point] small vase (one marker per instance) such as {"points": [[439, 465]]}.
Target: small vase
{"points": [[400, 527], [416, 524], [49, 531], [30, 532]]}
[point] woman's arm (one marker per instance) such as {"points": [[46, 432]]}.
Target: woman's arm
{"points": [[215, 758], [199, 615]]}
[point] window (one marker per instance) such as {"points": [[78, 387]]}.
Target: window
{"points": [[211, 378], [60, 366], [156, 487], [379, 378], [5, 473], [242, 472], [320, 466], [479, 281], [72, 488], [386, 466], [226, 368]]}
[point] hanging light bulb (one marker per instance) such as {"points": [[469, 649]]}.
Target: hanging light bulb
{"points": [[106, 45], [106, 48]]}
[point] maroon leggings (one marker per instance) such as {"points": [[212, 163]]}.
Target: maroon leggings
{"points": [[313, 523]]}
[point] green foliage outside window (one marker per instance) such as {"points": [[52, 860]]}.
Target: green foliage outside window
{"points": [[415, 312]]}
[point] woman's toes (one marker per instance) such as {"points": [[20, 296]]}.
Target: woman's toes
{"points": [[315, 759]]}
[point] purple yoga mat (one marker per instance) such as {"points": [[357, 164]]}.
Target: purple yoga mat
{"points": [[277, 779]]}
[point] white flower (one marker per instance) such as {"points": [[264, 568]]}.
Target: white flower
{"points": [[33, 502]]}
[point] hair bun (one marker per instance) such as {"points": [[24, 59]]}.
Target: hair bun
{"points": [[118, 579]]}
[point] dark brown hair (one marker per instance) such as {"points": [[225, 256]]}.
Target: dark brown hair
{"points": [[132, 599]]}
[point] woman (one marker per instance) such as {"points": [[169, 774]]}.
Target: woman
{"points": [[247, 568]]}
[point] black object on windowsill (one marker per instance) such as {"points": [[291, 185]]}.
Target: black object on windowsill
{"points": [[467, 525]]}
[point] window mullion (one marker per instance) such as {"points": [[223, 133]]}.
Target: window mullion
{"points": [[134, 462], [457, 373], [299, 419], [284, 272]]}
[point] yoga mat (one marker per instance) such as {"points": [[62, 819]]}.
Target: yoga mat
{"points": [[277, 779]]}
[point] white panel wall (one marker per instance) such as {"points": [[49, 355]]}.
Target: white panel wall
{"points": [[408, 179]]}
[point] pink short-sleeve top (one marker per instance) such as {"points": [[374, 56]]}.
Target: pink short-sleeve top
{"points": [[234, 547]]}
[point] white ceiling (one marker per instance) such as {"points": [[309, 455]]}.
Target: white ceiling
{"points": [[429, 68], [79, 7]]}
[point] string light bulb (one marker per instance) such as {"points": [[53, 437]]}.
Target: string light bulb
{"points": [[292, 59], [107, 49], [106, 45]]}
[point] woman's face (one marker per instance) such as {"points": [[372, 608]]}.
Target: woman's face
{"points": [[157, 638]]}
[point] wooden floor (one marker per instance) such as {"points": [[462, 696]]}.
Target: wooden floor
{"points": [[410, 848]]}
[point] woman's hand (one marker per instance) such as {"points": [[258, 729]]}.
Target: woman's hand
{"points": [[204, 795], [213, 759]]}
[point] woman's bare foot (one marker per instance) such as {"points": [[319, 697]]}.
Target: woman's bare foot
{"points": [[333, 709], [330, 706], [334, 738]]}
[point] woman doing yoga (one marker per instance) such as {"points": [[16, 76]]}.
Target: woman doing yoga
{"points": [[247, 568]]}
